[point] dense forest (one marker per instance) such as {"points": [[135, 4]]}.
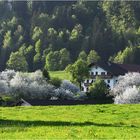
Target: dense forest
{"points": [[53, 34]]}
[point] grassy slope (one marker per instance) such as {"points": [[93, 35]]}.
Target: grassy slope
{"points": [[60, 74], [88, 121]]}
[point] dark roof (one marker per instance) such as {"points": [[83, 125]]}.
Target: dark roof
{"points": [[117, 69], [130, 67]]}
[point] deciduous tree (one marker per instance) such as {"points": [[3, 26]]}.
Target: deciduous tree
{"points": [[17, 62]]}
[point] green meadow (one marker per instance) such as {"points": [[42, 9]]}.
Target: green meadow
{"points": [[73, 122], [60, 74]]}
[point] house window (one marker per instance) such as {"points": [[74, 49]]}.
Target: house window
{"points": [[108, 81], [102, 73], [96, 73], [87, 81], [108, 73], [108, 86], [87, 89], [92, 81], [92, 73]]}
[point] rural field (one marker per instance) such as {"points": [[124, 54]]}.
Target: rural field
{"points": [[60, 74], [83, 121]]}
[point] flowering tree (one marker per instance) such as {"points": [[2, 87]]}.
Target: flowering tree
{"points": [[64, 94], [69, 86], [5, 77], [35, 86], [127, 89], [31, 85]]}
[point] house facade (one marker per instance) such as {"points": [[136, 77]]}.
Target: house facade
{"points": [[107, 71]]}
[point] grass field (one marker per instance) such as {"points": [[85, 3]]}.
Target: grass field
{"points": [[85, 121], [60, 74]]}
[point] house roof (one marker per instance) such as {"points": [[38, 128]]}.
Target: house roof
{"points": [[117, 69], [130, 67]]}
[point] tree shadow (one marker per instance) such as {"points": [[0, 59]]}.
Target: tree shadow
{"points": [[20, 123]]}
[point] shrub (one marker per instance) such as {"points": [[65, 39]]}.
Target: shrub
{"points": [[64, 94], [46, 74], [80, 96], [55, 81], [70, 86], [98, 89], [1, 101], [7, 100]]}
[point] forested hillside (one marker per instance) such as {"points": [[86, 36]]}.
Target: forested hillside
{"points": [[34, 34]]}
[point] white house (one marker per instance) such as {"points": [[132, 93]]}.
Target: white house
{"points": [[107, 71]]}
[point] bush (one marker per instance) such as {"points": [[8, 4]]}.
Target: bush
{"points": [[55, 81], [1, 101], [46, 74], [6, 101], [98, 89], [81, 96], [64, 94], [70, 86]]}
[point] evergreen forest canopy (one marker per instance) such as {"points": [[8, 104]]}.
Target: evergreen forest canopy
{"points": [[53, 34]]}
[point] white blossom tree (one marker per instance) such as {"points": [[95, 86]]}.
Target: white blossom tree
{"points": [[35, 86], [127, 89], [69, 86]]}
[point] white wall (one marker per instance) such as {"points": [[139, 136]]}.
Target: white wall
{"points": [[95, 69], [111, 83], [98, 69]]}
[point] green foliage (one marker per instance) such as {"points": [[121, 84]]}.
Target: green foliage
{"points": [[98, 90], [64, 59], [46, 74], [76, 32], [82, 55], [38, 46], [7, 100], [37, 32], [106, 27], [29, 53], [129, 55], [79, 70], [57, 60], [55, 81], [37, 57], [52, 61], [7, 42], [93, 57], [17, 61], [120, 15]]}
